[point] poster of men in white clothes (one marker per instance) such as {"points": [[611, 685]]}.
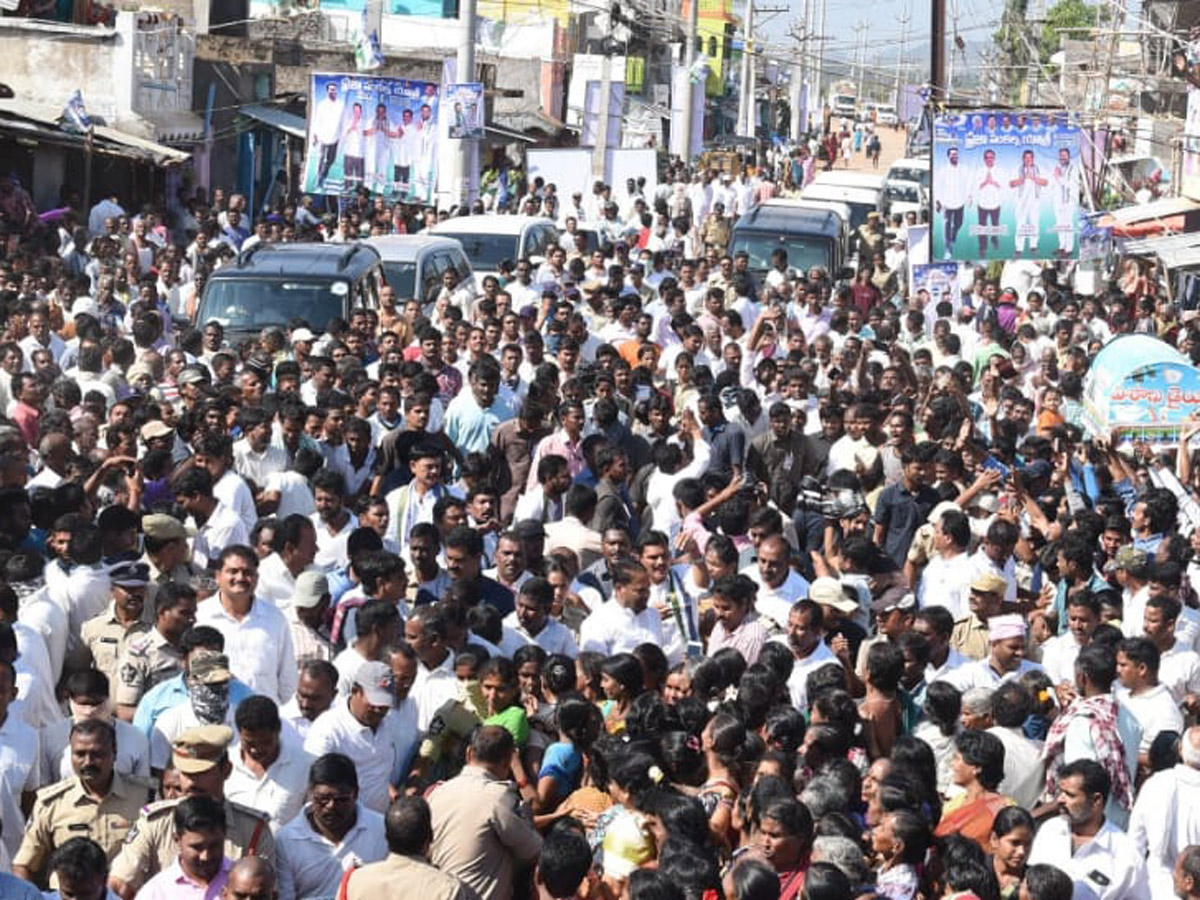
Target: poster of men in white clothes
{"points": [[464, 110], [1006, 185], [377, 133]]}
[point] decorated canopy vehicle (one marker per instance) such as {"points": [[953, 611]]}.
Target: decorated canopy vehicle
{"points": [[1141, 388]]}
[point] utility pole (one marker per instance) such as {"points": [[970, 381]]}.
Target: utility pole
{"points": [[819, 86], [600, 150], [746, 91], [904, 20], [937, 52], [466, 185], [861, 29], [686, 123]]}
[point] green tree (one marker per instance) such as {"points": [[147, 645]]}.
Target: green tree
{"points": [[1064, 17], [1013, 40]]}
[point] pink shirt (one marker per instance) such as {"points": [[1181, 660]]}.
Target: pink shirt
{"points": [[557, 444], [173, 884], [748, 638]]}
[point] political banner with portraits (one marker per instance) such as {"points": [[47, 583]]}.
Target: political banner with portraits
{"points": [[464, 110], [1006, 185], [375, 133]]}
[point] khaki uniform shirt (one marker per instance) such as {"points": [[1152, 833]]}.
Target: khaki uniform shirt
{"points": [[183, 573], [148, 659], [106, 639], [65, 810], [404, 878], [150, 845], [478, 835], [970, 637]]}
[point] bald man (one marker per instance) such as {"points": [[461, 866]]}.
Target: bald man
{"points": [[251, 878], [779, 585]]}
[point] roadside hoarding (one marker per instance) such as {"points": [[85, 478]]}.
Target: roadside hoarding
{"points": [[1006, 185], [377, 133]]}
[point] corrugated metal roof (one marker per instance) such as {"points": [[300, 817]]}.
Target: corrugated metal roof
{"points": [[41, 121], [279, 119]]}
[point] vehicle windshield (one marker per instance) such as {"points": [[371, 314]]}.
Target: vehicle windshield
{"points": [[401, 277], [921, 176], [251, 304], [803, 251], [485, 251], [907, 193]]}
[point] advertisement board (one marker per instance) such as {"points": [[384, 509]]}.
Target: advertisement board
{"points": [[1006, 185], [377, 133], [1140, 388], [939, 280], [464, 111]]}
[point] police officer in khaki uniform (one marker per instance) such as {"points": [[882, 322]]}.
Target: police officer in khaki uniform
{"points": [[106, 635], [201, 755], [406, 874], [870, 236], [970, 635], [95, 803], [168, 555], [155, 655]]}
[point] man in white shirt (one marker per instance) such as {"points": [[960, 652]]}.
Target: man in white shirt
{"points": [[270, 769], [671, 599], [255, 458], [531, 619], [1165, 819], [258, 638], [214, 452], [946, 579], [19, 769], [1179, 664], [1103, 861], [1005, 660], [217, 526], [1024, 776], [1141, 693], [779, 585], [1060, 652], [435, 684], [625, 621], [296, 539], [333, 833], [379, 740], [806, 639], [327, 130], [951, 195]]}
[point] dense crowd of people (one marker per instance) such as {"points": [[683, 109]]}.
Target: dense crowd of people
{"points": [[635, 572]]}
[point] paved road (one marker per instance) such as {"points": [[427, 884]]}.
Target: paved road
{"points": [[892, 150]]}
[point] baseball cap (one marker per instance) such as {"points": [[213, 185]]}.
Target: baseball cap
{"points": [[156, 428], [311, 588], [303, 336], [130, 574], [161, 527], [192, 375], [895, 597], [199, 749], [528, 529], [1127, 557], [375, 679], [1039, 468], [828, 592], [209, 667]]}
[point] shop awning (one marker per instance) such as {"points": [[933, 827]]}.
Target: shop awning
{"points": [[274, 117], [175, 126], [35, 122], [1175, 251], [499, 132], [1156, 209]]}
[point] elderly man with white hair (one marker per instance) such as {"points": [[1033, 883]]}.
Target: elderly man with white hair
{"points": [[1165, 818]]}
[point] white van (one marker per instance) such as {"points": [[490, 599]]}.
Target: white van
{"points": [[859, 200], [910, 169], [488, 240]]}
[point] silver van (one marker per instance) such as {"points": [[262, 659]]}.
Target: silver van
{"points": [[413, 264]]}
